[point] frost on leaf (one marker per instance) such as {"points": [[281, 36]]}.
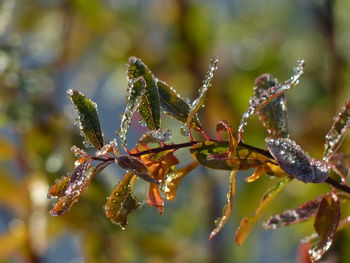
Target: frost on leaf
{"points": [[264, 97], [326, 224], [274, 114], [294, 161], [136, 88], [293, 216], [122, 202], [135, 166], [78, 182], [338, 130], [150, 102], [201, 100], [226, 211], [173, 105], [88, 119], [248, 223], [173, 179], [158, 136]]}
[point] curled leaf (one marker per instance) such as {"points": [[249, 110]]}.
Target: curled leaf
{"points": [[294, 161], [248, 223], [337, 132], [158, 136], [89, 122], [174, 178], [326, 224], [232, 136], [59, 188], [226, 211], [274, 114], [122, 202], [264, 97], [154, 198], [135, 166], [150, 102]]}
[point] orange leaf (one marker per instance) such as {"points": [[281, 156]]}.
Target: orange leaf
{"points": [[154, 198]]}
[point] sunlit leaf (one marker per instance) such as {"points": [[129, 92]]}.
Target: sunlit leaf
{"points": [[135, 166], [226, 211], [122, 202], [174, 178], [337, 132], [136, 89], [248, 223], [209, 154], [154, 197], [111, 147], [158, 136], [59, 188], [89, 122], [326, 224], [173, 105], [293, 216], [294, 161], [232, 136], [257, 102], [201, 100], [274, 114], [150, 101]]}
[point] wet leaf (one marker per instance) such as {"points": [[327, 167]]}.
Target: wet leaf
{"points": [[111, 147], [337, 132], [59, 188], [274, 114], [158, 136], [326, 224], [154, 198], [150, 101], [226, 211], [174, 178], [295, 162], [293, 216], [201, 100], [89, 122], [122, 202], [135, 166], [340, 163], [248, 223], [214, 155], [173, 105], [136, 89], [265, 97], [232, 136]]}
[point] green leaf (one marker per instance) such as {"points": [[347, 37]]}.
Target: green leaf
{"points": [[89, 122], [135, 91], [337, 132], [122, 201], [201, 100], [326, 224], [248, 223], [274, 114], [209, 154], [150, 101], [173, 105], [226, 211], [265, 97]]}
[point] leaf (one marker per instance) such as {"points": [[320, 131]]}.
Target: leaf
{"points": [[295, 162], [340, 163], [248, 223], [257, 102], [293, 216], [173, 105], [243, 158], [173, 180], [154, 198], [122, 202], [158, 136], [226, 211], [232, 136], [135, 166], [59, 188], [150, 102], [136, 89], [326, 224], [274, 114], [337, 132], [89, 122], [201, 100]]}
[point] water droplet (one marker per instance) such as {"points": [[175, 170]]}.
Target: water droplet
{"points": [[184, 131]]}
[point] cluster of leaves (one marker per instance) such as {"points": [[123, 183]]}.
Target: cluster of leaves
{"points": [[153, 159]]}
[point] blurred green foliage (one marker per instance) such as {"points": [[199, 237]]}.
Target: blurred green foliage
{"points": [[49, 46]]}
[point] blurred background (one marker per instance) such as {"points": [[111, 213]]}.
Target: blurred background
{"points": [[49, 46]]}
